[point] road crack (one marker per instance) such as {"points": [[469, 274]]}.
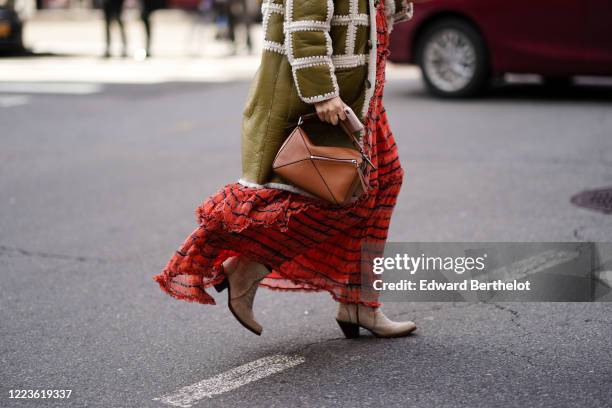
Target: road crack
{"points": [[514, 315], [47, 255]]}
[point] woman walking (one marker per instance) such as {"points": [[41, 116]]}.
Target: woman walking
{"points": [[319, 55]]}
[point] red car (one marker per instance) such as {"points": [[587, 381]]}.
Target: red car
{"points": [[461, 44]]}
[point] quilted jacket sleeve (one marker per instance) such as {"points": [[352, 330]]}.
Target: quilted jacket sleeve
{"points": [[309, 48]]}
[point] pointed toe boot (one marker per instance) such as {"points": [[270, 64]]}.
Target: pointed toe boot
{"points": [[351, 317], [243, 277]]}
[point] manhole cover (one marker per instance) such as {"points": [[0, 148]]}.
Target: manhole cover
{"points": [[600, 200]]}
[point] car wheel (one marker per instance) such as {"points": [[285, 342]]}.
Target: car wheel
{"points": [[453, 58]]}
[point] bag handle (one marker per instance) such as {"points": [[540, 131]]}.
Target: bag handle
{"points": [[351, 135]]}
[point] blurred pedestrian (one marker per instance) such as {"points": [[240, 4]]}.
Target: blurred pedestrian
{"points": [[240, 14], [231, 14], [203, 15], [265, 231], [147, 7], [113, 9]]}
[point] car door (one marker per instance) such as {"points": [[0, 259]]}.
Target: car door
{"points": [[599, 36], [543, 36]]}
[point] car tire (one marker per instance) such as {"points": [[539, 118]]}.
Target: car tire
{"points": [[453, 58], [558, 82]]}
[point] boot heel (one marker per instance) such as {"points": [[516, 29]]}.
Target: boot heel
{"points": [[220, 287], [350, 330]]}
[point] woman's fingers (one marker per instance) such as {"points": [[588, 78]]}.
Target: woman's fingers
{"points": [[337, 110], [342, 113], [338, 113], [320, 113], [333, 118], [331, 110]]}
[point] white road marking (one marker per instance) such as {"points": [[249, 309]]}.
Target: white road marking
{"points": [[8, 101], [605, 277], [230, 380], [532, 265], [51, 88]]}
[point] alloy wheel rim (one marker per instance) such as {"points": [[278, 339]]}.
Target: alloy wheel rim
{"points": [[450, 60]]}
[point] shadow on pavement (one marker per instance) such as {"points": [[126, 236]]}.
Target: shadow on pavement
{"points": [[530, 92], [574, 93], [26, 53]]}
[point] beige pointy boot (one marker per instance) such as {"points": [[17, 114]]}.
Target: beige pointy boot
{"points": [[351, 317], [243, 277]]}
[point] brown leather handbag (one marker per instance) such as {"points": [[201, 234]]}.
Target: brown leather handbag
{"points": [[335, 174]]}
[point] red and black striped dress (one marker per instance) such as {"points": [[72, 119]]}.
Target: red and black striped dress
{"points": [[310, 245]]}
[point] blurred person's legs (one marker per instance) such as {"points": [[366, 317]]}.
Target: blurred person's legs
{"points": [[203, 15], [238, 12], [147, 7], [222, 17], [107, 28], [246, 20], [112, 12], [145, 16], [231, 21], [231, 24], [119, 20]]}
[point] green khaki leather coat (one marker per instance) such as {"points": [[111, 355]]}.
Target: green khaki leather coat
{"points": [[313, 50]]}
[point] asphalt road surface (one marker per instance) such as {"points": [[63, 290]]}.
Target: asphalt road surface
{"points": [[99, 187]]}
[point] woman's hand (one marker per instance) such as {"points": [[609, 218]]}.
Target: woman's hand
{"points": [[331, 110]]}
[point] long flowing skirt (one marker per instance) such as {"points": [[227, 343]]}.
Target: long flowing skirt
{"points": [[308, 244]]}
